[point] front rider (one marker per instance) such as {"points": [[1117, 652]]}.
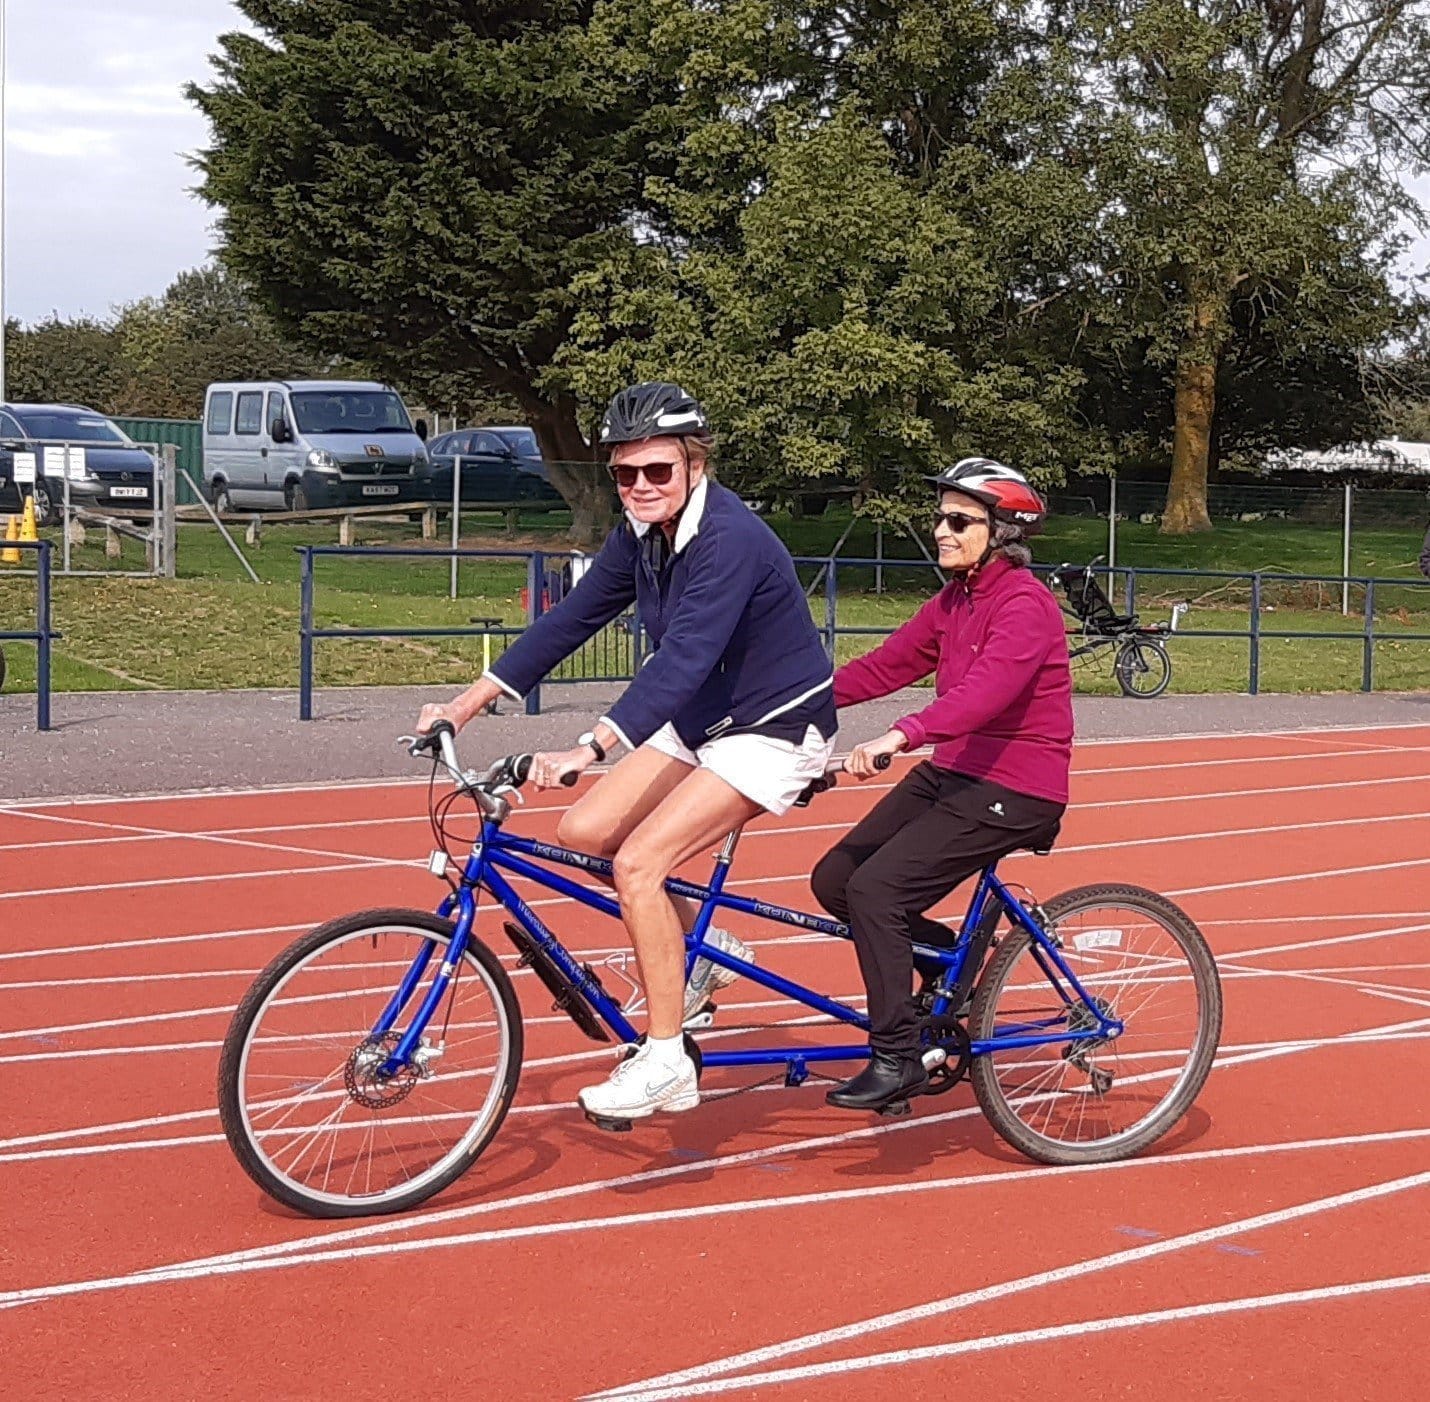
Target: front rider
{"points": [[732, 715]]}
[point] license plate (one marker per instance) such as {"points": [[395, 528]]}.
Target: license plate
{"points": [[129, 491], [380, 489]]}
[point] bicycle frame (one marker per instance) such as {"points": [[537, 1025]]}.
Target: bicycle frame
{"points": [[497, 853]]}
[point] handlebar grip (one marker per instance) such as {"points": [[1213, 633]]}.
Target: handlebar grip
{"points": [[883, 761], [521, 772]]}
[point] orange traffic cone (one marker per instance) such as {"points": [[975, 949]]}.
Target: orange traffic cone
{"points": [[10, 556], [27, 523]]}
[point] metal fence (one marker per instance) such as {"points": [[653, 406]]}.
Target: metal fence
{"points": [[77, 498], [41, 634], [616, 653]]}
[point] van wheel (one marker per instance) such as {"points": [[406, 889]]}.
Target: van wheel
{"points": [[295, 498], [222, 498]]}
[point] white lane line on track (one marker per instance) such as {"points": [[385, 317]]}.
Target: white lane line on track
{"points": [[21, 1149], [1224, 961], [1213, 1309], [138, 834], [358, 864], [204, 936], [349, 786], [1333, 974], [238, 1263], [419, 1221], [1298, 876], [684, 1382], [1393, 993], [132, 832], [154, 942], [154, 884]]}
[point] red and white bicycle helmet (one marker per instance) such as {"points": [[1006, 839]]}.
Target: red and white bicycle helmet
{"points": [[1006, 493]]}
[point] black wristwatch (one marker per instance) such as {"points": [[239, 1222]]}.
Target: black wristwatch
{"points": [[589, 738]]}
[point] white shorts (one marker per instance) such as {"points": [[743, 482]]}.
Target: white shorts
{"points": [[770, 772]]}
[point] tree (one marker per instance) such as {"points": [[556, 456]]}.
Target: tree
{"points": [[1244, 154], [156, 356], [64, 362], [851, 262], [417, 185]]}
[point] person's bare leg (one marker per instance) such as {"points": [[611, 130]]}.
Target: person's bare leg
{"points": [[619, 803], [704, 810]]}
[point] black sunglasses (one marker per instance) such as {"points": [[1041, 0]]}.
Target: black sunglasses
{"points": [[957, 521], [656, 473]]}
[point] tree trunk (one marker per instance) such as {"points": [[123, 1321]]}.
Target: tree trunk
{"points": [[582, 482], [1193, 408]]}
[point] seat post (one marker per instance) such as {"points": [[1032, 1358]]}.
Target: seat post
{"points": [[726, 854]]}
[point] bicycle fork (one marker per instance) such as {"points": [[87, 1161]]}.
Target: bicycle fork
{"points": [[409, 1043]]}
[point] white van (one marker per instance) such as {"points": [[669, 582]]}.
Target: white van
{"points": [[308, 444]]}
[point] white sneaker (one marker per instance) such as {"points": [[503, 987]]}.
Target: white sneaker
{"points": [[640, 1086], [707, 978]]}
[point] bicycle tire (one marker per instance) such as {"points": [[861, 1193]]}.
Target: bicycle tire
{"points": [[1138, 678], [238, 1128], [992, 1098]]}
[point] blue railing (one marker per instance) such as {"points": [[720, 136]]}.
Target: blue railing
{"points": [[831, 570], [41, 634]]}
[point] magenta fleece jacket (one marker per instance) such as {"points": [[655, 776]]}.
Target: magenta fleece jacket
{"points": [[1003, 707]]}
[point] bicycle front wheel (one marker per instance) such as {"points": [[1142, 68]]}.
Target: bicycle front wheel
{"points": [[305, 1103], [1143, 962], [1143, 668]]}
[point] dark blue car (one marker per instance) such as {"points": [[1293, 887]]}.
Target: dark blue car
{"points": [[105, 468], [499, 465]]}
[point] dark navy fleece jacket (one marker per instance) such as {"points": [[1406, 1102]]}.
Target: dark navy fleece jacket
{"points": [[735, 647]]}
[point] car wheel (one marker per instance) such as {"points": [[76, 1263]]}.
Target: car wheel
{"points": [[46, 504], [295, 498], [222, 498]]}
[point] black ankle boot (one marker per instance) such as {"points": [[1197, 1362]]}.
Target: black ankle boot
{"points": [[888, 1077]]}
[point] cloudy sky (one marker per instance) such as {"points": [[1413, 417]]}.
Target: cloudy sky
{"points": [[98, 209]]}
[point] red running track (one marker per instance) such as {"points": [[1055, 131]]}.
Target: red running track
{"points": [[1275, 1244]]}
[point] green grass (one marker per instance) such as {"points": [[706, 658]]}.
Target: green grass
{"points": [[212, 628]]}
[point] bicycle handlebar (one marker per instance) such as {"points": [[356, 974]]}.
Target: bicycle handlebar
{"points": [[512, 771]]}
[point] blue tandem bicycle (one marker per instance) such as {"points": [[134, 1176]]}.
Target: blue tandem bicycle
{"points": [[374, 1060]]}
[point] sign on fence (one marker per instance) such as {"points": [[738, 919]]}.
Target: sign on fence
{"points": [[24, 466], [67, 461]]}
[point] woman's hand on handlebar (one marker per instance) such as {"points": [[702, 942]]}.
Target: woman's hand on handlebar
{"points": [[560, 768], [863, 760], [458, 711]]}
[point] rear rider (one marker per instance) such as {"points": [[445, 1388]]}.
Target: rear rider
{"points": [[1001, 725], [731, 716]]}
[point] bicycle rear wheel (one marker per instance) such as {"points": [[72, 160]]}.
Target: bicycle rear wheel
{"points": [[304, 1106], [1092, 1101]]}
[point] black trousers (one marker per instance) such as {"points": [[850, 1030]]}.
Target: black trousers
{"points": [[931, 832]]}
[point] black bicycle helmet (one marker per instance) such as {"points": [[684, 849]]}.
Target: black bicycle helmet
{"points": [[657, 409], [1003, 490]]}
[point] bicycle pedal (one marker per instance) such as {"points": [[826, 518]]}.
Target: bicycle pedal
{"points": [[895, 1108], [609, 1123], [701, 1020]]}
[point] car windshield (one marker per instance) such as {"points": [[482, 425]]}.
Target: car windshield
{"points": [[350, 411], [522, 441], [70, 428]]}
